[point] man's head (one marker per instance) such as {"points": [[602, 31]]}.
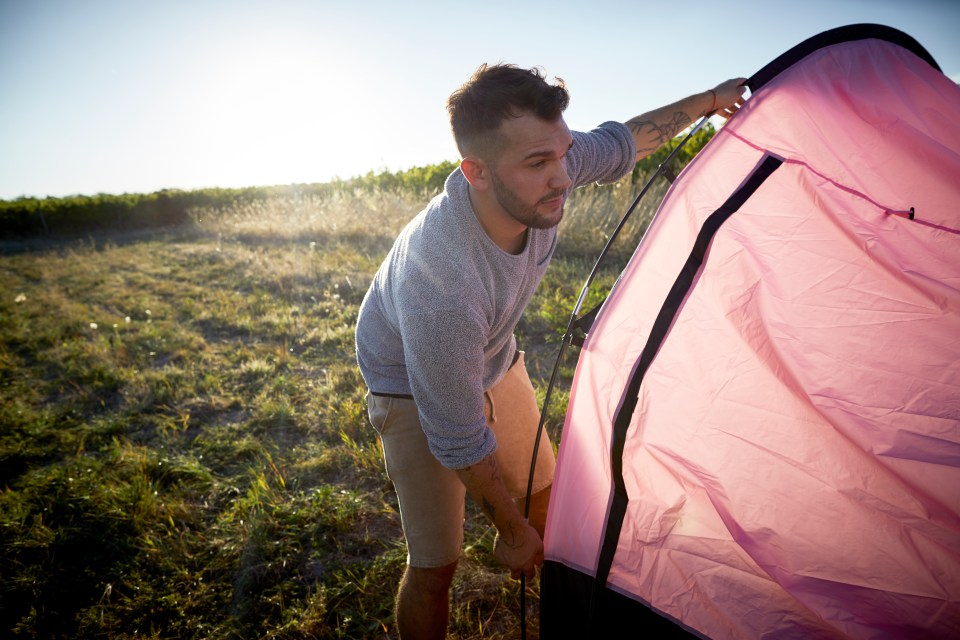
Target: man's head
{"points": [[495, 94]]}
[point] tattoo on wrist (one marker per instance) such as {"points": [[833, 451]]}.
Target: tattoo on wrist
{"points": [[512, 538]]}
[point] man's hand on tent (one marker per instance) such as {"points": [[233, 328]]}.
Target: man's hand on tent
{"points": [[728, 97], [520, 549]]}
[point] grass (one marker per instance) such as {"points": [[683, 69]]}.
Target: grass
{"points": [[184, 451]]}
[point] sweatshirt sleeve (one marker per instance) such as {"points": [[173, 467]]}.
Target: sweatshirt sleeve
{"points": [[603, 155], [444, 356]]}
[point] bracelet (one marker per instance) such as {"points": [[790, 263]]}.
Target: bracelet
{"points": [[713, 106]]}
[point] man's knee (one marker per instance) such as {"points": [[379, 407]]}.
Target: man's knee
{"points": [[432, 580]]}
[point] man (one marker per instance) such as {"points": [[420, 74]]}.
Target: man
{"points": [[449, 395]]}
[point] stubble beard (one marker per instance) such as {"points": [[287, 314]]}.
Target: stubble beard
{"points": [[522, 212]]}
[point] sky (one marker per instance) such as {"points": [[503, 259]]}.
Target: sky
{"points": [[128, 96]]}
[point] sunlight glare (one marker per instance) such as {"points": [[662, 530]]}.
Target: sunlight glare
{"points": [[271, 113]]}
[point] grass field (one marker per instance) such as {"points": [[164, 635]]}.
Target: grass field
{"points": [[184, 450]]}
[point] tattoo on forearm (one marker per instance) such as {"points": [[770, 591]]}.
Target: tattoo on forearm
{"points": [[657, 133], [494, 468], [494, 474]]}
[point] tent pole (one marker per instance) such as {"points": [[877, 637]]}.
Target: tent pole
{"points": [[661, 170], [568, 335], [583, 294]]}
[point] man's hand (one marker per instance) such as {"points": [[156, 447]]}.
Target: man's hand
{"points": [[652, 129], [518, 545], [521, 551], [728, 97]]}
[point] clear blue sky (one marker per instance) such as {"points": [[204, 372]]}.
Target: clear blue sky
{"points": [[121, 96]]}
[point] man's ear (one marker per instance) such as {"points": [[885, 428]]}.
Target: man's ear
{"points": [[476, 172]]}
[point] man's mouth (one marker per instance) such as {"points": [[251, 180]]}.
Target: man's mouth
{"points": [[554, 199]]}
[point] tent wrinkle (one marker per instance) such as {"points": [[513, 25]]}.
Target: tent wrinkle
{"points": [[908, 213], [762, 438]]}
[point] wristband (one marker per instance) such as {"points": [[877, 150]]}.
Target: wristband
{"points": [[714, 105]]}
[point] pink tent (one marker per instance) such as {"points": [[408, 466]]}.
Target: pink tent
{"points": [[763, 436]]}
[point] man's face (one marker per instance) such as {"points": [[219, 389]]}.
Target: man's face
{"points": [[529, 176]]}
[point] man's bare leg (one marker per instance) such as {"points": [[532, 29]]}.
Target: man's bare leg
{"points": [[423, 602]]}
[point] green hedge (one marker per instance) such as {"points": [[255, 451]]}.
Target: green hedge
{"points": [[691, 149], [31, 217]]}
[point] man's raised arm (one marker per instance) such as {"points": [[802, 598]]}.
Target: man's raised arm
{"points": [[654, 128]]}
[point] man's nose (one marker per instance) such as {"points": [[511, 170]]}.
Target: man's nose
{"points": [[560, 179]]}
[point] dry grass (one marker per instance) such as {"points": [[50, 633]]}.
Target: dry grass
{"points": [[185, 450]]}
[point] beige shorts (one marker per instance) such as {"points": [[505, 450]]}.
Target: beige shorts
{"points": [[431, 496]]}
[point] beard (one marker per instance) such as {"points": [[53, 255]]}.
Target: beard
{"points": [[522, 212]]}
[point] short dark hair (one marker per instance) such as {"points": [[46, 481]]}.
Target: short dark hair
{"points": [[497, 92]]}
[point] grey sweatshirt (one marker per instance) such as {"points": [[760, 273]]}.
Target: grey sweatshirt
{"points": [[438, 319]]}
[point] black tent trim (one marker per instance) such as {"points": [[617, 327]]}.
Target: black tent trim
{"points": [[604, 601], [661, 326], [607, 607], [839, 35], [563, 592]]}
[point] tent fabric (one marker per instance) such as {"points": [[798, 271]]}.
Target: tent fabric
{"points": [[763, 434]]}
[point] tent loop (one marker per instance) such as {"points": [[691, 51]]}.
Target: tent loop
{"points": [[667, 173]]}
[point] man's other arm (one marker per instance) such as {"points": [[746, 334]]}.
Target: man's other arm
{"points": [[518, 545]]}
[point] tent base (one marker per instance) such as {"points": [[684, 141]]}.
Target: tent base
{"points": [[565, 610]]}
